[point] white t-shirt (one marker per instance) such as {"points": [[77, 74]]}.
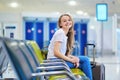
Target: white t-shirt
{"points": [[59, 35]]}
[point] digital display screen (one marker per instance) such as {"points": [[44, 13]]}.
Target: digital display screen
{"points": [[102, 11]]}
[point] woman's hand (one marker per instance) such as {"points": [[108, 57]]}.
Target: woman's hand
{"points": [[75, 60], [76, 65]]}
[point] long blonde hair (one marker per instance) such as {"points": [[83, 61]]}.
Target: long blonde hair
{"points": [[70, 34]]}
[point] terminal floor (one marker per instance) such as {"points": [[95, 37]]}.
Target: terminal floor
{"points": [[112, 65]]}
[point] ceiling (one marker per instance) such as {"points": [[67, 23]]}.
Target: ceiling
{"points": [[61, 6]]}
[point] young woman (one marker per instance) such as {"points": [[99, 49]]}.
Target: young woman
{"points": [[61, 46]]}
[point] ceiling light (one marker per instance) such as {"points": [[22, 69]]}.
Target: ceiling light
{"points": [[14, 4], [80, 12], [72, 3], [85, 14], [56, 13]]}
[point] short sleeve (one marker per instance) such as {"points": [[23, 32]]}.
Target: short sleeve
{"points": [[59, 37]]}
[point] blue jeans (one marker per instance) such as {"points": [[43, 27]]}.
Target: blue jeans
{"points": [[84, 66]]}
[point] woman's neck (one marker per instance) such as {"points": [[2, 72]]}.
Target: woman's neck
{"points": [[65, 30]]}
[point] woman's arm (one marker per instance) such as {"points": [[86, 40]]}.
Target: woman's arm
{"points": [[58, 54], [71, 56]]}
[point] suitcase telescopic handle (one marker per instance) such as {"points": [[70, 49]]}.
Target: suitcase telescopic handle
{"points": [[90, 44], [93, 64]]}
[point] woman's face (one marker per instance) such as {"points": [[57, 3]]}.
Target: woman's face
{"points": [[66, 22]]}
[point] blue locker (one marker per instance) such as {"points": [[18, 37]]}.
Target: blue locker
{"points": [[39, 34], [80, 38], [77, 31], [34, 31], [52, 29], [29, 33], [76, 49], [83, 36]]}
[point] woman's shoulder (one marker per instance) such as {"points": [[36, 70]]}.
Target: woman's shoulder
{"points": [[59, 31]]}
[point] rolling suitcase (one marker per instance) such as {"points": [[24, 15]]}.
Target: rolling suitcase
{"points": [[98, 69]]}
